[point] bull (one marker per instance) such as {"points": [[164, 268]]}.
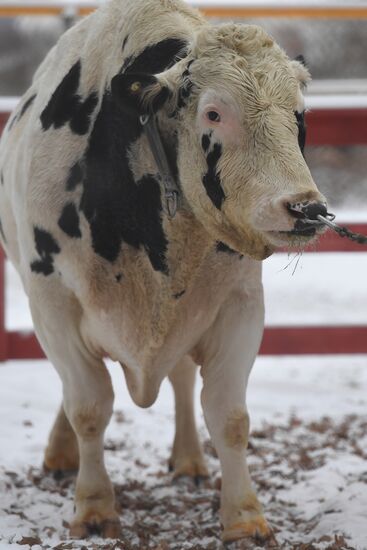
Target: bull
{"points": [[151, 166]]}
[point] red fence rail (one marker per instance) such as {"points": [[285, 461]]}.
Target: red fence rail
{"points": [[337, 127], [326, 127]]}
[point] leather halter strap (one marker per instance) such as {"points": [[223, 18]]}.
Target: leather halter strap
{"points": [[171, 190]]}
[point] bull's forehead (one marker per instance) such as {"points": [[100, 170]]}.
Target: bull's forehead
{"points": [[245, 60], [244, 40]]}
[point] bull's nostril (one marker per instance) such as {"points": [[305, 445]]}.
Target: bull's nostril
{"points": [[315, 209], [296, 210], [307, 210]]}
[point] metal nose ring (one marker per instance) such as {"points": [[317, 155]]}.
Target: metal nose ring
{"points": [[308, 211]]}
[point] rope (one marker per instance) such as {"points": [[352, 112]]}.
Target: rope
{"points": [[342, 231]]}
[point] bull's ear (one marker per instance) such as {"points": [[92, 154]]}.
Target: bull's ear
{"points": [[301, 59], [301, 71], [139, 93]]}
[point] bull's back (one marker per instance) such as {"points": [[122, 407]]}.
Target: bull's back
{"points": [[31, 157]]}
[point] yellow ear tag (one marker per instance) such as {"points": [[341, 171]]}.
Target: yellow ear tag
{"points": [[135, 87]]}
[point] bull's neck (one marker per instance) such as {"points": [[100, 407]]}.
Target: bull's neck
{"points": [[123, 199], [188, 242], [189, 245]]}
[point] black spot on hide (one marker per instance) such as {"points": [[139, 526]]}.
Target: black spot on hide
{"points": [[75, 177], [149, 208], [117, 208], [2, 234], [178, 295], [205, 142], [80, 120], [2, 181], [301, 130], [69, 221], [118, 277], [155, 58], [66, 106], [46, 247], [64, 100], [211, 179]]}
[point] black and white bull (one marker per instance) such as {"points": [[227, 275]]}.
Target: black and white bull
{"points": [[109, 272]]}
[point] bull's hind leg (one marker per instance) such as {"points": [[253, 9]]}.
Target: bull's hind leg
{"points": [[62, 450], [187, 457], [88, 400]]}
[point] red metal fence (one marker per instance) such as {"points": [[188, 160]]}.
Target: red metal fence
{"points": [[325, 127]]}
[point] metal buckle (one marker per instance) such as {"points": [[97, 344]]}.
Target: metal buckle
{"points": [[144, 119], [171, 203]]}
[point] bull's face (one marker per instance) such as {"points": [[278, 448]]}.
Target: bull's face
{"points": [[243, 134], [239, 108]]}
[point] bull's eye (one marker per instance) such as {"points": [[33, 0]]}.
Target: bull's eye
{"points": [[135, 87], [213, 116]]}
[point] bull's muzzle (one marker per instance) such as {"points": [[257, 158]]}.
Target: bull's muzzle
{"points": [[306, 215]]}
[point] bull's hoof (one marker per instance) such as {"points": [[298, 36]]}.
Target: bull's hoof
{"points": [[61, 462], [192, 467], [60, 473], [192, 482], [109, 528], [256, 531]]}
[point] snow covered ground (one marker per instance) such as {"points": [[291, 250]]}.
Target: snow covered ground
{"points": [[308, 447], [307, 455]]}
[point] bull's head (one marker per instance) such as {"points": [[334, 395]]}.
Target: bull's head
{"points": [[238, 110]]}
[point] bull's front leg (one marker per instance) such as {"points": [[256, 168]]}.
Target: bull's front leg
{"points": [[229, 350], [88, 401]]}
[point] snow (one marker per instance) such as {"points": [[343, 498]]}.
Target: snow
{"points": [[325, 289], [331, 498]]}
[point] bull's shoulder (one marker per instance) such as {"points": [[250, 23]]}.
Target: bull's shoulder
{"points": [[75, 170]]}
